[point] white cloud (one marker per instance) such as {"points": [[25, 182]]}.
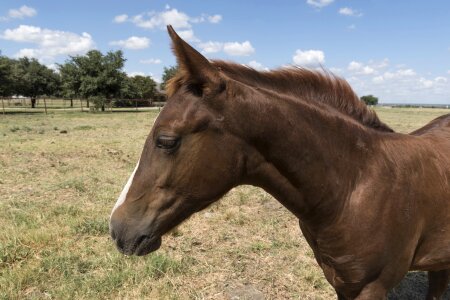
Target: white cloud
{"points": [[367, 70], [188, 35], [354, 66], [389, 75], [136, 73], [336, 70], [448, 72], [398, 74], [53, 66], [50, 43], [405, 72], [238, 49], [133, 43], [396, 83], [196, 20], [215, 19], [28, 52], [170, 16], [20, 13], [230, 48], [120, 18], [257, 66], [360, 68], [308, 58], [319, 3], [426, 83], [211, 47], [151, 61], [351, 27], [437, 83], [378, 79], [156, 77], [161, 19], [347, 11], [204, 17], [440, 79], [379, 65], [371, 68]]}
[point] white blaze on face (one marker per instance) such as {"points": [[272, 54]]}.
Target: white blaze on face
{"points": [[124, 193]]}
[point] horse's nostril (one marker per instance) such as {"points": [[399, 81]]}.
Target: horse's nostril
{"points": [[140, 239]]}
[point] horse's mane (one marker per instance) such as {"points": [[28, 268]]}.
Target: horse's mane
{"points": [[309, 85]]}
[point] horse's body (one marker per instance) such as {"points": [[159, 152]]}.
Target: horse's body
{"points": [[372, 203]]}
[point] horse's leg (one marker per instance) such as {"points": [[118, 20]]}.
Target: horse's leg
{"points": [[437, 284], [373, 291]]}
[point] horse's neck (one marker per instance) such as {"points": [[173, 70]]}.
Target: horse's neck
{"points": [[307, 158]]}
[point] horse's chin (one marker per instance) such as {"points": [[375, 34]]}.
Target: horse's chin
{"points": [[147, 246]]}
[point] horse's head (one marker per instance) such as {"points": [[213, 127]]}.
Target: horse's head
{"points": [[188, 160]]}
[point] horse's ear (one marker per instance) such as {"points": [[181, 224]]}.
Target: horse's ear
{"points": [[196, 69]]}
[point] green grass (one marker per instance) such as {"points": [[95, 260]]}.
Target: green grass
{"points": [[57, 192]]}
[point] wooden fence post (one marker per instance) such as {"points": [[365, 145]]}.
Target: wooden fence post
{"points": [[3, 105], [45, 106], [81, 104]]}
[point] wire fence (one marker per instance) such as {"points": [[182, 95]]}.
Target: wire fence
{"points": [[52, 105]]}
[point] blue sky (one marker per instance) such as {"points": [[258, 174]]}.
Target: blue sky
{"points": [[396, 50]]}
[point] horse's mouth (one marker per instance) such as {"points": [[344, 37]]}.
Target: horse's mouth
{"points": [[142, 246], [147, 245]]}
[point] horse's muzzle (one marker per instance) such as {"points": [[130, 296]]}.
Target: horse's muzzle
{"points": [[135, 245]]}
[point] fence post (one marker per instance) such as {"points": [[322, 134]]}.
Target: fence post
{"points": [[81, 104], [3, 105], [135, 102], [45, 106]]}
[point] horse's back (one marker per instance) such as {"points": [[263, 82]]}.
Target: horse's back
{"points": [[435, 136], [440, 125]]}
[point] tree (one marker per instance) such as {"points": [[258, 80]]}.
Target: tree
{"points": [[101, 76], [143, 87], [6, 76], [137, 87], [167, 74], [370, 100], [34, 79], [70, 80]]}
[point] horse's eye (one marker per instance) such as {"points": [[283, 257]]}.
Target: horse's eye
{"points": [[167, 142]]}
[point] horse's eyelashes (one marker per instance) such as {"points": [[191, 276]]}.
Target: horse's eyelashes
{"points": [[167, 142]]}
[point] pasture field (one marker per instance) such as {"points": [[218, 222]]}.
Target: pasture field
{"points": [[60, 175]]}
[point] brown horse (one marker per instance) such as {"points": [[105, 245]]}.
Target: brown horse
{"points": [[372, 203]]}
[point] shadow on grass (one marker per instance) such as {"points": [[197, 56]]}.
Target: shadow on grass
{"points": [[413, 287], [29, 112], [22, 112]]}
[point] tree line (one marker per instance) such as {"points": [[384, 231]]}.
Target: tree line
{"points": [[99, 78], [96, 77]]}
